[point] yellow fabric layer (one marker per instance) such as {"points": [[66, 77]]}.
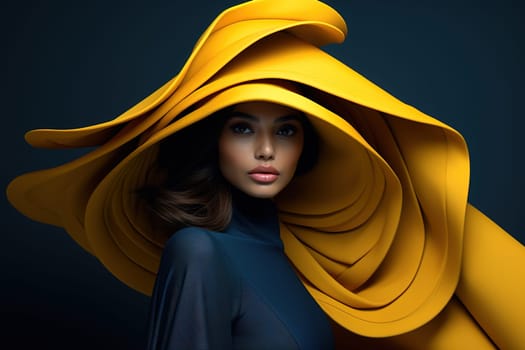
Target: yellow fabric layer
{"points": [[375, 230], [453, 328], [492, 283]]}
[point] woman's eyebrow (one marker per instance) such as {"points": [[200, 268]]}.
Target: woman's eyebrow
{"points": [[289, 117], [237, 114], [282, 119]]}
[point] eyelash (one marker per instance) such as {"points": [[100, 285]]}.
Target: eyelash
{"points": [[286, 130], [241, 128]]}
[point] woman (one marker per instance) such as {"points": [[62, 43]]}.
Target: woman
{"points": [[234, 289], [378, 231]]}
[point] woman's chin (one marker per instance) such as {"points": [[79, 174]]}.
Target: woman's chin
{"points": [[262, 191]]}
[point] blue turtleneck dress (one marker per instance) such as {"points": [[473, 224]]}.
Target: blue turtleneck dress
{"points": [[234, 289]]}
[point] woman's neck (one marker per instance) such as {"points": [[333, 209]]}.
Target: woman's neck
{"points": [[255, 218]]}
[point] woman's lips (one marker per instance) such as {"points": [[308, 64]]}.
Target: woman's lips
{"points": [[263, 177], [264, 174]]}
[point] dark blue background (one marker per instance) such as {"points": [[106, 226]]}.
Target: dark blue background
{"points": [[73, 63]]}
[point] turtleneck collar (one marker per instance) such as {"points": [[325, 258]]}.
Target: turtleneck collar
{"points": [[254, 218]]}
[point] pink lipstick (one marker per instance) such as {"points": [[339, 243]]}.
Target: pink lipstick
{"points": [[264, 174]]}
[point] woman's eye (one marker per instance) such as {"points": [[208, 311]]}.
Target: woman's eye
{"points": [[287, 130], [241, 128]]}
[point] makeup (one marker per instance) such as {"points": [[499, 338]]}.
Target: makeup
{"points": [[264, 174]]}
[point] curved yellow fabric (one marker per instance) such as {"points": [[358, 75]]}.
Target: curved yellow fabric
{"points": [[375, 230], [492, 282]]}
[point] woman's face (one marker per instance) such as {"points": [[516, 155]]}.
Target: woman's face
{"points": [[259, 147]]}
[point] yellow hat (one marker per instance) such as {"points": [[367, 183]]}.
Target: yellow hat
{"points": [[374, 230]]}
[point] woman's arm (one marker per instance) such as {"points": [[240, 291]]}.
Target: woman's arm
{"points": [[193, 301]]}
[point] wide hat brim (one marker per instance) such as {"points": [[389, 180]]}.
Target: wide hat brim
{"points": [[374, 229]]}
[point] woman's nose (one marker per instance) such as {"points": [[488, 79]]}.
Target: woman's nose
{"points": [[264, 149]]}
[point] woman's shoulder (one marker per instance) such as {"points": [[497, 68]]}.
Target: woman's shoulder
{"points": [[198, 252], [193, 243]]}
